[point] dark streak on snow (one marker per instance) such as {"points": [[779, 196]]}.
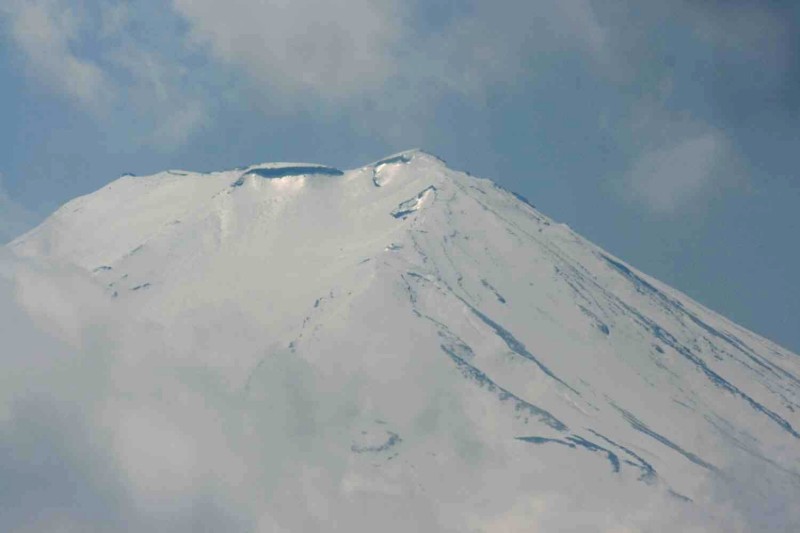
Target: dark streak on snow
{"points": [[511, 342], [669, 340], [679, 496], [665, 337], [599, 324], [574, 441], [469, 371], [640, 426], [648, 473], [516, 346], [457, 346], [495, 291], [407, 207], [645, 287], [412, 295], [393, 439]]}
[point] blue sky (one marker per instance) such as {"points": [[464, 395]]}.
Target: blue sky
{"points": [[668, 134]]}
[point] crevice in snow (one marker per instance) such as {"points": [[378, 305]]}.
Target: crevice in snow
{"points": [[287, 171]]}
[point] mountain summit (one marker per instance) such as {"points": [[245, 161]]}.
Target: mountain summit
{"points": [[408, 347]]}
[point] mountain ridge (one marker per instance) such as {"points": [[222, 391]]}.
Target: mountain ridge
{"points": [[404, 275]]}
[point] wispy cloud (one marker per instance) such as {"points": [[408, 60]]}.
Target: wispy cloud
{"points": [[335, 49], [481, 47], [14, 218], [159, 91], [46, 32], [87, 54], [668, 179], [375, 62], [338, 51]]}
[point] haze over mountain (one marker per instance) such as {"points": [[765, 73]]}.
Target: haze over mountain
{"points": [[291, 347]]}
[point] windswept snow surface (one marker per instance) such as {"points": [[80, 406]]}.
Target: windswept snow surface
{"points": [[399, 347]]}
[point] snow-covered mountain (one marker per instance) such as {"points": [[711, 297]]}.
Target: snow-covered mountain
{"points": [[400, 346]]}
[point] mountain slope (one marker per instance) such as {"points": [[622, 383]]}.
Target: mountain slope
{"points": [[427, 345]]}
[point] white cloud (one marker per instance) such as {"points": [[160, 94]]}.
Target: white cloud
{"points": [[748, 27], [159, 89], [58, 42], [667, 179], [383, 63], [113, 18], [343, 50], [503, 43], [333, 48], [45, 31], [579, 17], [176, 127]]}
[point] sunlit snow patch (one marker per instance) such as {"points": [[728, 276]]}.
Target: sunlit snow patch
{"points": [[402, 158], [412, 205], [380, 172]]}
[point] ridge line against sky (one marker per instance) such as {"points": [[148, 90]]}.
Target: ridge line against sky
{"points": [[666, 134]]}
